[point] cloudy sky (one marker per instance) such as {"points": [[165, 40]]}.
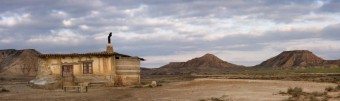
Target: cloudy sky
{"points": [[243, 32]]}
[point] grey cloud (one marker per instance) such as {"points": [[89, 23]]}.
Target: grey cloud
{"points": [[176, 8], [331, 32], [282, 10], [331, 6], [112, 15]]}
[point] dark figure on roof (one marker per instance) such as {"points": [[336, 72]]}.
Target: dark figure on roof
{"points": [[109, 38]]}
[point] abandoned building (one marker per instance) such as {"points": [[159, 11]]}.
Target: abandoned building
{"points": [[108, 67]]}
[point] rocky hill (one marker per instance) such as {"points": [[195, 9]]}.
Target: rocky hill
{"points": [[18, 62], [208, 63], [297, 59]]}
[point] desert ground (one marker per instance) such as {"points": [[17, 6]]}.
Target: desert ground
{"points": [[192, 90]]}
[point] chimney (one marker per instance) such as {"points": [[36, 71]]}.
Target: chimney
{"points": [[109, 47]]}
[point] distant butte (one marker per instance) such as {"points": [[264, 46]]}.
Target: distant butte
{"points": [[204, 64], [297, 59]]}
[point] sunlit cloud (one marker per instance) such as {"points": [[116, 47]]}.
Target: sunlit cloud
{"points": [[62, 36], [11, 19]]}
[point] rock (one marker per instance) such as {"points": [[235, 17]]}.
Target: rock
{"points": [[153, 84], [45, 79], [47, 82]]}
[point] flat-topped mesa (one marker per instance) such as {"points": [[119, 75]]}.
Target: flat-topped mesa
{"points": [[293, 59], [109, 47], [298, 51]]}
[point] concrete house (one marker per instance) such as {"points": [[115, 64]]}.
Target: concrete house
{"points": [[107, 67]]}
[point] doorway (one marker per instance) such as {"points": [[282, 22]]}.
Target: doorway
{"points": [[67, 70], [67, 74]]}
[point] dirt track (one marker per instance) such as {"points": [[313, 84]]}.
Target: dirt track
{"points": [[236, 89]]}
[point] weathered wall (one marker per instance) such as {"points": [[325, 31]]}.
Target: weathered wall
{"points": [[124, 70], [128, 70], [101, 65], [102, 68]]}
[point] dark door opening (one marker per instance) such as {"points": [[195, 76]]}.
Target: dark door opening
{"points": [[67, 70]]}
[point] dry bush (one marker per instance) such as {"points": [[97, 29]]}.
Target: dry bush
{"points": [[330, 89], [3, 90], [222, 98], [315, 93], [295, 92], [337, 87]]}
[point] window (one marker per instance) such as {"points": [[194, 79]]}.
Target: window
{"points": [[87, 68]]}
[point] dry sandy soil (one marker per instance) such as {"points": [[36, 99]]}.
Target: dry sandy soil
{"points": [[236, 89]]}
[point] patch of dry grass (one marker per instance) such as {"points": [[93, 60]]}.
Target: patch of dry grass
{"points": [[297, 94], [222, 98], [3, 89]]}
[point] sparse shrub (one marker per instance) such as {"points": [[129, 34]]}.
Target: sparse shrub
{"points": [[216, 99], [295, 92], [291, 99], [313, 98], [325, 98], [4, 90], [329, 89], [315, 93], [282, 92], [337, 87], [222, 98]]}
